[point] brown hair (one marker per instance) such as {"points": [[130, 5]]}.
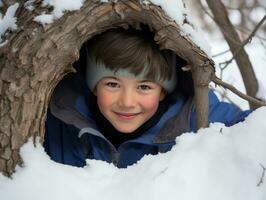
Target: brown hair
{"points": [[133, 50]]}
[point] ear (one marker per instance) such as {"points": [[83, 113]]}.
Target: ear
{"points": [[95, 91], [163, 94]]}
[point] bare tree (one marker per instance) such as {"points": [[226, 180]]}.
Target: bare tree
{"points": [[220, 16], [238, 35], [246, 10]]}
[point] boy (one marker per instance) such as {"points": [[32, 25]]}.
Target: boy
{"points": [[127, 106]]}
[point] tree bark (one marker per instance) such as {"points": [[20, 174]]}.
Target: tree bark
{"points": [[36, 58], [233, 40]]}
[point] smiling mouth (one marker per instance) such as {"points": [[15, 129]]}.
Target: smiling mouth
{"points": [[126, 116]]}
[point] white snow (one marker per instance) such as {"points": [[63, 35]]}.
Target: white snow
{"points": [[44, 19], [218, 163], [29, 5], [8, 22], [59, 7], [261, 94]]}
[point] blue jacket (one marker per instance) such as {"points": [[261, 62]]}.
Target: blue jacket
{"points": [[72, 135]]}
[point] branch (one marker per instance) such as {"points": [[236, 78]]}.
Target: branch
{"points": [[204, 10], [231, 36], [248, 31], [262, 175], [218, 81], [244, 43], [252, 34], [254, 31], [221, 53]]}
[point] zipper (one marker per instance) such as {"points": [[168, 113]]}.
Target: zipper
{"points": [[115, 155], [115, 158]]}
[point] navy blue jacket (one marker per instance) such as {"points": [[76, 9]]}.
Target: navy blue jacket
{"points": [[72, 135]]}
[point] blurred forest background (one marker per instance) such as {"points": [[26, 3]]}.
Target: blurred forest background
{"points": [[243, 48]]}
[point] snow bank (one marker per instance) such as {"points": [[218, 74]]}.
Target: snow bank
{"points": [[219, 163], [8, 22]]}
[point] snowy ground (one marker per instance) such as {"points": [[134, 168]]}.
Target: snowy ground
{"points": [[218, 163]]}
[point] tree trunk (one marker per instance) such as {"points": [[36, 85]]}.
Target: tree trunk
{"points": [[36, 58], [221, 18]]}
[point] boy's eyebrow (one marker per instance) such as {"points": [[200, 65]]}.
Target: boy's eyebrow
{"points": [[146, 80], [141, 81], [112, 77]]}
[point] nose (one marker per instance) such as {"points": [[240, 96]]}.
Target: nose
{"points": [[127, 99]]}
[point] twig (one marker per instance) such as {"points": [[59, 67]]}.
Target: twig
{"points": [[262, 44], [247, 31], [253, 32], [204, 10], [237, 92], [221, 53], [262, 175]]}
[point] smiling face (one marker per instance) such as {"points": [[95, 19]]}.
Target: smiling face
{"points": [[127, 102]]}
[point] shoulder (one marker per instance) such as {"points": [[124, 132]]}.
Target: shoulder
{"points": [[224, 112], [219, 111]]}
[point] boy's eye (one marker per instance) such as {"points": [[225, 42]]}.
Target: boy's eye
{"points": [[144, 87], [112, 84]]}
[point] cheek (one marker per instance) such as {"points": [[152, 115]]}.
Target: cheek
{"points": [[104, 100], [150, 104]]}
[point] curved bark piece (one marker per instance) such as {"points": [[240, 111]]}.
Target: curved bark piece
{"points": [[36, 58]]}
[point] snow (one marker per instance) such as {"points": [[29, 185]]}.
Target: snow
{"points": [[59, 7], [8, 22], [29, 5], [261, 94], [217, 163], [44, 19]]}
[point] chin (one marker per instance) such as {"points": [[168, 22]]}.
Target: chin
{"points": [[126, 130]]}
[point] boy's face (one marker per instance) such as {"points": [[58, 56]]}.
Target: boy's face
{"points": [[127, 102]]}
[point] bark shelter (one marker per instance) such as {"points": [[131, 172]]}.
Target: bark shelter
{"points": [[36, 58]]}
